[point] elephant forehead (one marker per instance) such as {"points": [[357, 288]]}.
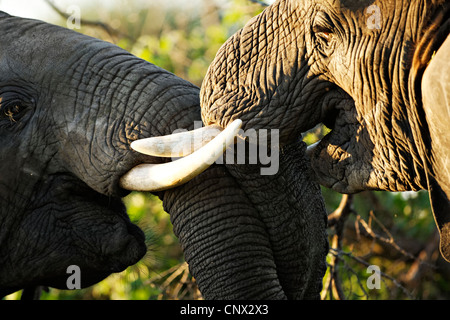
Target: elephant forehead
{"points": [[367, 15], [354, 4], [364, 16], [360, 5]]}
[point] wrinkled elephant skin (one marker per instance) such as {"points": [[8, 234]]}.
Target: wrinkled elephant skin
{"points": [[357, 67], [70, 108]]}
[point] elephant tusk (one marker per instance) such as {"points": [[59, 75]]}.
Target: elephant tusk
{"points": [[178, 144], [157, 177], [311, 148]]}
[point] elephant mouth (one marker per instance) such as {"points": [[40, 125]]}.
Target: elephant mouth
{"points": [[91, 231], [330, 118], [338, 111], [332, 157]]}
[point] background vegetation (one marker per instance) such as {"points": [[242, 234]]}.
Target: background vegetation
{"points": [[394, 231]]}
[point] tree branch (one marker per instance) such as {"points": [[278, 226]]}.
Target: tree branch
{"points": [[337, 220], [262, 3], [366, 264], [113, 33]]}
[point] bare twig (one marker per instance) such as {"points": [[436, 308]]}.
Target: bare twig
{"points": [[365, 263], [113, 33], [262, 3], [389, 240], [423, 262], [337, 220], [176, 283], [337, 217]]}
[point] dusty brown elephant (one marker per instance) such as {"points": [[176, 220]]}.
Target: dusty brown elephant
{"points": [[375, 72]]}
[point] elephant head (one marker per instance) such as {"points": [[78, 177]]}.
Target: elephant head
{"points": [[357, 67], [70, 108]]}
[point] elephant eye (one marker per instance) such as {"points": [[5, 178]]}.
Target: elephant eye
{"points": [[324, 33], [12, 110], [323, 30]]}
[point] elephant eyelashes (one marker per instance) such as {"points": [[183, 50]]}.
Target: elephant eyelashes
{"points": [[323, 31], [325, 36], [324, 40]]}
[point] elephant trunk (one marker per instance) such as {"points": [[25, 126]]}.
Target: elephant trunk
{"points": [[224, 241], [263, 237], [292, 208]]}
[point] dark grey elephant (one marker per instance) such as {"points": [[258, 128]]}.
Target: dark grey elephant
{"points": [[359, 67], [70, 107]]}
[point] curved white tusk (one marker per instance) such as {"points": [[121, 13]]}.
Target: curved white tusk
{"points": [[157, 177], [178, 144], [311, 148]]}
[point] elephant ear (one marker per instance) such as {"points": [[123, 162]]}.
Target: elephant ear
{"points": [[436, 107]]}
